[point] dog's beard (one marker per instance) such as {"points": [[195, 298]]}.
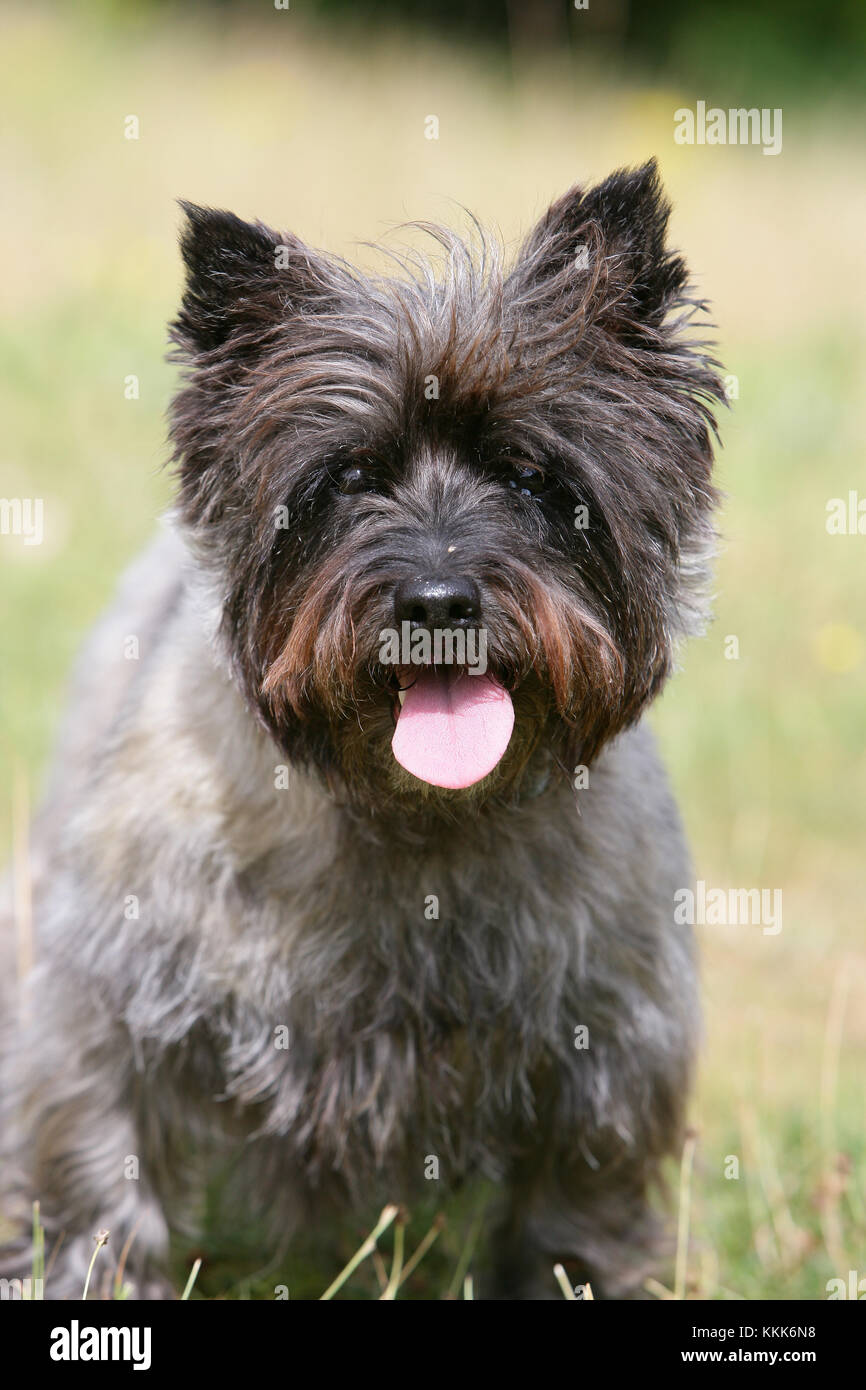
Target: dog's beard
{"points": [[378, 759], [425, 734], [429, 733]]}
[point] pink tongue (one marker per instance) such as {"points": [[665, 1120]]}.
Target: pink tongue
{"points": [[453, 728]]}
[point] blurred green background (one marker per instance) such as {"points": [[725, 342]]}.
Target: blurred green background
{"points": [[313, 118]]}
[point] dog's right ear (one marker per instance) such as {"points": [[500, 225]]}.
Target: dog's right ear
{"points": [[242, 281], [606, 247]]}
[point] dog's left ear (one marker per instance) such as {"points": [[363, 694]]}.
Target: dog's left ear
{"points": [[242, 280], [606, 247]]}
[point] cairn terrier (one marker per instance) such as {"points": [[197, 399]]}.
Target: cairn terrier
{"points": [[328, 909]]}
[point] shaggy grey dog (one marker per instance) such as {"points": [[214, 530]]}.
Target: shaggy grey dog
{"points": [[307, 919]]}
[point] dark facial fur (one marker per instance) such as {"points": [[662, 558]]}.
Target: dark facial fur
{"points": [[424, 395]]}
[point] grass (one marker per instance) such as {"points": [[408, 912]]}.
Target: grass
{"points": [[317, 132]]}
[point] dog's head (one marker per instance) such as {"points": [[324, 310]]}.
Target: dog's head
{"points": [[458, 517]]}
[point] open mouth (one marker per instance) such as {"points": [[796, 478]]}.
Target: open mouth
{"points": [[452, 727]]}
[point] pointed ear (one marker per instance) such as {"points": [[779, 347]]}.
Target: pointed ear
{"points": [[242, 279], [607, 244]]}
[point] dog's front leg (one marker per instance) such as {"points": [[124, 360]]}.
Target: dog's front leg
{"points": [[77, 1149], [597, 1223]]}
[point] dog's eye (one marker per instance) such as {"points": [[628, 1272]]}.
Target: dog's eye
{"points": [[355, 480], [524, 478], [360, 472]]}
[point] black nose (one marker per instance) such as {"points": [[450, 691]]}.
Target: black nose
{"points": [[442, 603]]}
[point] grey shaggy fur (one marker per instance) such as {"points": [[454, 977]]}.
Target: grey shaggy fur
{"points": [[187, 904]]}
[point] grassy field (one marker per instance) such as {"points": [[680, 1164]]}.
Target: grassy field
{"points": [[324, 134]]}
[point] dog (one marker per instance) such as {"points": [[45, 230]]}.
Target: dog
{"points": [[324, 912]]}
